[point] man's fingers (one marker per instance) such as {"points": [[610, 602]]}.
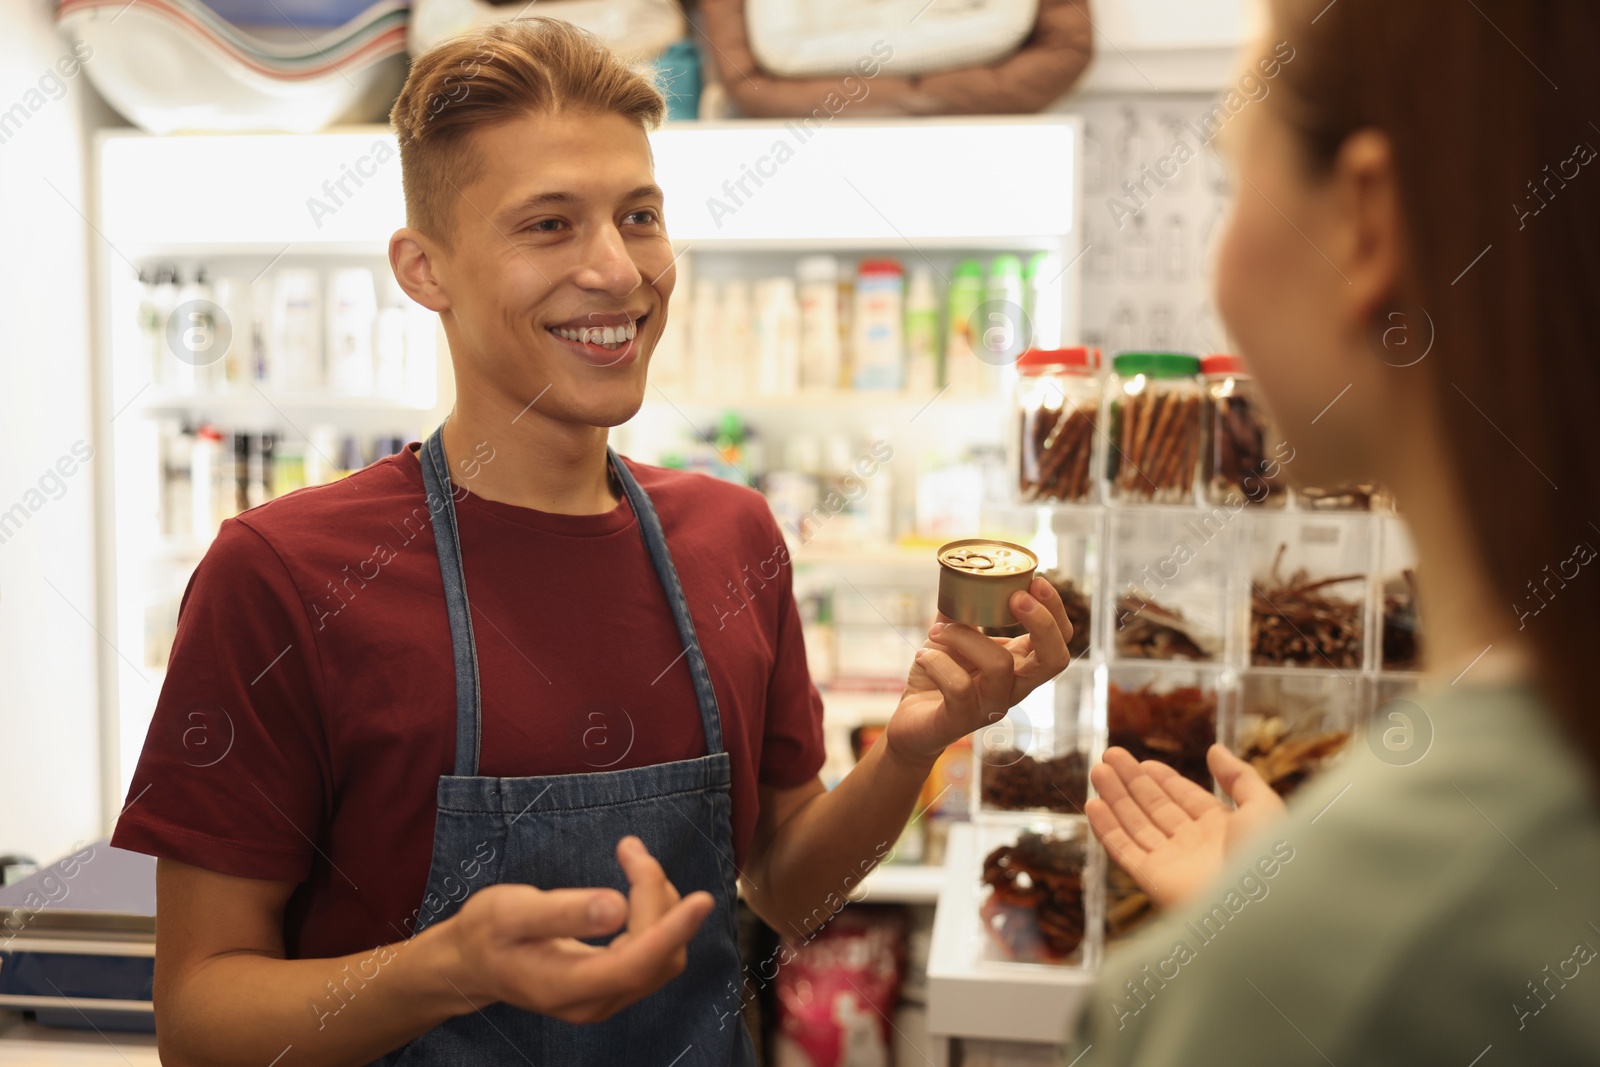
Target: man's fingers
{"points": [[1044, 616], [648, 957], [525, 913], [650, 893], [1238, 779], [955, 684]]}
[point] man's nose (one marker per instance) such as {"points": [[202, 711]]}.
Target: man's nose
{"points": [[608, 266]]}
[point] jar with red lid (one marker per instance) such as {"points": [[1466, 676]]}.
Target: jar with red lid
{"points": [[1244, 455], [1057, 405]]}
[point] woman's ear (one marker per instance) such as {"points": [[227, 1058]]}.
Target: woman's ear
{"points": [[1369, 238], [412, 257]]}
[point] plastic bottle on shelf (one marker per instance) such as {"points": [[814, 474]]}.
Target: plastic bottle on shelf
{"points": [[878, 326], [322, 450], [422, 354], [923, 372], [705, 344], [234, 370], [1004, 332], [733, 377], [961, 365], [351, 317], [1041, 277], [258, 481], [296, 339], [288, 466], [777, 336], [820, 353], [193, 361], [792, 489], [206, 484], [389, 341], [177, 488]]}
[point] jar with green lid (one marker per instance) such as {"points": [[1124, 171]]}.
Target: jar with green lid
{"points": [[1242, 463], [1057, 405], [1153, 426]]}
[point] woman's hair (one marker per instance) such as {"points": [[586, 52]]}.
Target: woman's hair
{"points": [[491, 74], [1490, 107]]}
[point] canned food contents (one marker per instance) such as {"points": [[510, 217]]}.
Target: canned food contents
{"points": [[977, 577]]}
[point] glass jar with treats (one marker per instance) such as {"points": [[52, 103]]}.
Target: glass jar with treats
{"points": [[1244, 455], [1153, 427], [1057, 405]]}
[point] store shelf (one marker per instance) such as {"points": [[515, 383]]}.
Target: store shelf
{"points": [[968, 999], [847, 709], [822, 399], [263, 401]]}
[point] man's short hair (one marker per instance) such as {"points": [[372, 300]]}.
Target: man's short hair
{"points": [[492, 74]]}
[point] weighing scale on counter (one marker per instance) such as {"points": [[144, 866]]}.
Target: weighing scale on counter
{"points": [[78, 941]]}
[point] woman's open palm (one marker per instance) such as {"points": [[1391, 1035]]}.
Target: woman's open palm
{"points": [[1166, 831]]}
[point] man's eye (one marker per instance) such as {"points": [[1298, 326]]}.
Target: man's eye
{"points": [[545, 226], [645, 217]]}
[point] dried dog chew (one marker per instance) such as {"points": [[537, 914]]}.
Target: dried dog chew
{"points": [[1034, 911], [1127, 906], [1159, 439], [1294, 622], [1147, 630], [1015, 781], [1175, 727], [1076, 601], [1238, 461], [1287, 758], [1401, 641], [1056, 448]]}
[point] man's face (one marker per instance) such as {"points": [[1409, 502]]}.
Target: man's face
{"points": [[561, 268]]}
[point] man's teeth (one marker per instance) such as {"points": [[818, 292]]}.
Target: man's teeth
{"points": [[604, 336]]}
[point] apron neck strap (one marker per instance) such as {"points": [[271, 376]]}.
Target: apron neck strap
{"points": [[447, 539]]}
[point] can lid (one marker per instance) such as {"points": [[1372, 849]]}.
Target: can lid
{"points": [[1156, 364], [1223, 363], [879, 266], [1082, 359], [982, 556]]}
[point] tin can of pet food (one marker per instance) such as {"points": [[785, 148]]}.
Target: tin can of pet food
{"points": [[977, 577]]}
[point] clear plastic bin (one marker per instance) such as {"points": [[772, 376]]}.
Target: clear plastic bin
{"points": [[1291, 724], [1165, 712], [1400, 638], [1039, 898], [1307, 589], [1037, 758], [1169, 578]]}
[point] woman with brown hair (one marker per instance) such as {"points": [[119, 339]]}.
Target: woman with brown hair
{"points": [[1411, 268]]}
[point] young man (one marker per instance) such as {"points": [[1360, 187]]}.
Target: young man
{"points": [[396, 818]]}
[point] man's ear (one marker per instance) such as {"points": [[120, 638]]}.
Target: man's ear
{"points": [[412, 257]]}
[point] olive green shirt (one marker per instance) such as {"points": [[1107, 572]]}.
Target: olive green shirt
{"points": [[1439, 904]]}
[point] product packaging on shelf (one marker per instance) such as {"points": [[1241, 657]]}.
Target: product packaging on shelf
{"points": [[1307, 579], [1039, 900], [1057, 413], [1153, 416]]}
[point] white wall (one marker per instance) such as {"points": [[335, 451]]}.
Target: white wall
{"points": [[50, 738]]}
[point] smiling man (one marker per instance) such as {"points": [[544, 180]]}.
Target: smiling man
{"points": [[496, 807]]}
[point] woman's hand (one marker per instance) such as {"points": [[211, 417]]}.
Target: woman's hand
{"points": [[962, 680], [1168, 832]]}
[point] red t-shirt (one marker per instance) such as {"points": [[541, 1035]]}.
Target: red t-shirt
{"points": [[309, 704]]}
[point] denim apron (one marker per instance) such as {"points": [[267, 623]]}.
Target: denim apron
{"points": [[561, 831]]}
